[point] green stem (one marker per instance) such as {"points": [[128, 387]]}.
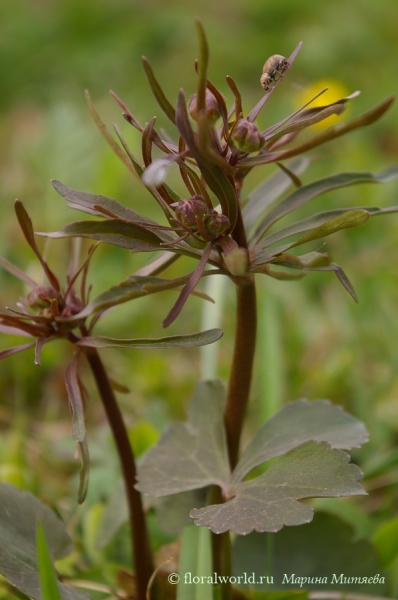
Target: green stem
{"points": [[139, 534]]}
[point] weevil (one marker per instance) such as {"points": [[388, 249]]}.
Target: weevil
{"points": [[274, 66]]}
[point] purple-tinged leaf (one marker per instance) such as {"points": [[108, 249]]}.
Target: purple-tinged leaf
{"points": [[188, 287], [164, 104], [316, 188], [19, 514], [107, 136], [307, 119], [84, 471], [17, 272], [268, 502], [128, 115], [299, 422], [38, 348], [27, 229], [75, 401], [217, 181], [193, 340], [363, 120], [15, 349], [309, 116], [190, 455], [238, 98], [146, 141], [342, 277], [273, 128], [29, 328], [270, 190], [92, 201], [116, 232], [252, 116], [133, 287]]}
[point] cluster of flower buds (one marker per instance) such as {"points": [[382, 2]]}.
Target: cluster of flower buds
{"points": [[194, 214]]}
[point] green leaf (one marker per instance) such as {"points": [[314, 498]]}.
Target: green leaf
{"points": [[386, 542], [269, 502], [353, 218], [115, 232], [116, 513], [316, 221], [299, 422], [195, 559], [189, 455], [192, 340], [269, 191], [302, 551], [19, 515], [112, 208], [157, 91], [48, 581], [202, 67], [173, 511], [316, 188]]}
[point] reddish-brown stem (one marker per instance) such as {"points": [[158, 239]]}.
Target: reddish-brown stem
{"points": [[139, 534], [242, 362], [242, 367]]}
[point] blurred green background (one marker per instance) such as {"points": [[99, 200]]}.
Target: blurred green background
{"points": [[314, 341]]}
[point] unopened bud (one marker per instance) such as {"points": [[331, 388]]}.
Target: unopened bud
{"points": [[246, 136], [216, 224], [212, 109], [41, 296], [187, 211]]}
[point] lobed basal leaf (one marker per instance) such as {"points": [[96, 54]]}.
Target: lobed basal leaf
{"points": [[304, 437], [269, 502]]}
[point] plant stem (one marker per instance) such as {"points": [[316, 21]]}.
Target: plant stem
{"points": [[242, 367], [139, 534]]}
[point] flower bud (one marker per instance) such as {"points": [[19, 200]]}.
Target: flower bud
{"points": [[216, 224], [41, 296], [188, 210], [246, 136], [212, 109]]}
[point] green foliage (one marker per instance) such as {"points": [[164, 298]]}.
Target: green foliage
{"points": [[194, 455], [330, 350], [48, 581], [20, 513]]}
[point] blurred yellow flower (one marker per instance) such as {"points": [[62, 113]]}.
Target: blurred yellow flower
{"points": [[336, 91]]}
